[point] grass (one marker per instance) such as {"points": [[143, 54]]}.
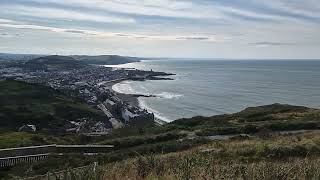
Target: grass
{"points": [[9, 139], [278, 157], [283, 157], [131, 141], [178, 150], [17, 139], [195, 167], [61, 162], [202, 167], [275, 117]]}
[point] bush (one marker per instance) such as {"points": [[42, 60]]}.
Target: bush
{"points": [[249, 129], [217, 131]]}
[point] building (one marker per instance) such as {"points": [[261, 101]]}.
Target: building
{"points": [[113, 104], [136, 117], [28, 128]]}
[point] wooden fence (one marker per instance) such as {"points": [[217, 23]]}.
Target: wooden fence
{"points": [[13, 156]]}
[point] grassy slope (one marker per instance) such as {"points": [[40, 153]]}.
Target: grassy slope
{"points": [[53, 62], [105, 59], [278, 157], [281, 157], [275, 117], [21, 139], [22, 103], [180, 145], [183, 147]]}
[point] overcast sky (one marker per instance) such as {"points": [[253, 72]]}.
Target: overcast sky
{"points": [[163, 28]]}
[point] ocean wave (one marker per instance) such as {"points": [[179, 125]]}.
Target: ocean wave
{"points": [[168, 95], [124, 88], [156, 113]]}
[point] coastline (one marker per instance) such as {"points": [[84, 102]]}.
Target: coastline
{"points": [[131, 99]]}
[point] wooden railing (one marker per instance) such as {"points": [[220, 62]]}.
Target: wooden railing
{"points": [[12, 161], [13, 156]]}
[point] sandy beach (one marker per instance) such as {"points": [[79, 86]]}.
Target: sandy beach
{"points": [[131, 99]]}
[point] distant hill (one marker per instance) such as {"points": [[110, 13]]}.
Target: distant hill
{"points": [[17, 57], [106, 59], [48, 109], [54, 62], [99, 60]]}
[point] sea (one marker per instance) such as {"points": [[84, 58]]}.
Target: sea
{"points": [[211, 87]]}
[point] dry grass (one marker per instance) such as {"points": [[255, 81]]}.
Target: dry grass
{"points": [[204, 167], [280, 157], [287, 157], [198, 166]]}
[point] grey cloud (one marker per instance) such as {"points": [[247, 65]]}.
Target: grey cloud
{"points": [[84, 32], [266, 43], [121, 35], [9, 35], [75, 31], [193, 38]]}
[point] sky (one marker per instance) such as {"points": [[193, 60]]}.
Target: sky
{"points": [[238, 29]]}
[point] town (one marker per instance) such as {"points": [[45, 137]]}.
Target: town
{"points": [[90, 83]]}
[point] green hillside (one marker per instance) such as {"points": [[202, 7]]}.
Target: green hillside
{"points": [[294, 156], [273, 118], [98, 59], [53, 62], [184, 150], [48, 109], [239, 144], [105, 59]]}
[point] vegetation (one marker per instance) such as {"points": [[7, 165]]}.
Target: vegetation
{"points": [[102, 59], [61, 162], [53, 62], [106, 59], [198, 167], [294, 156], [256, 146], [281, 157], [9, 139], [273, 118], [48, 109]]}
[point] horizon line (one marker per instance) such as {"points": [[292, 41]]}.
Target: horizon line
{"points": [[162, 58]]}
